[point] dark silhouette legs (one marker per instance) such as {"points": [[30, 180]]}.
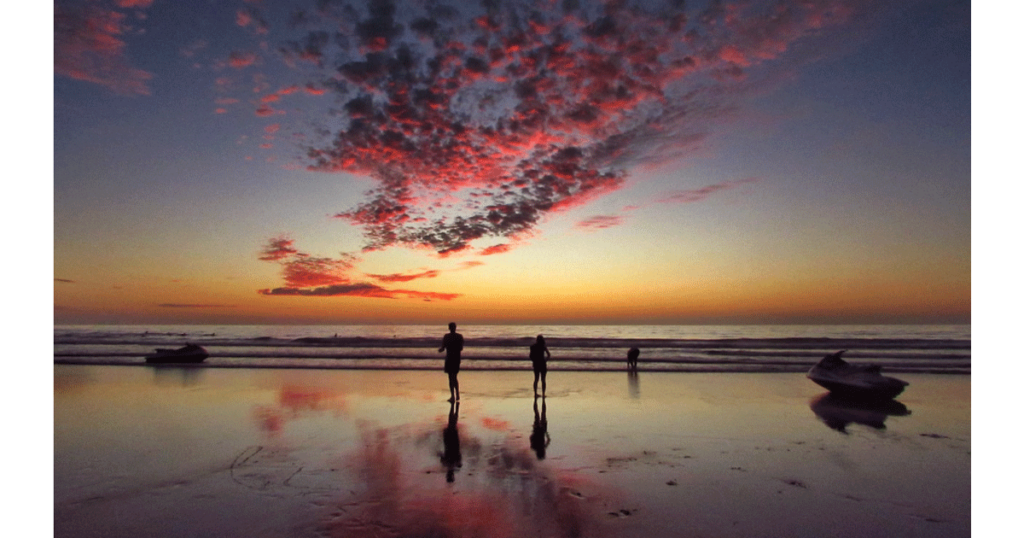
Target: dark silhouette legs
{"points": [[543, 378], [453, 386]]}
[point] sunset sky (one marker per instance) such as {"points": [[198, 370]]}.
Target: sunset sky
{"points": [[572, 161]]}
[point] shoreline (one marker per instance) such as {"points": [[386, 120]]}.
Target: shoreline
{"points": [[787, 368]]}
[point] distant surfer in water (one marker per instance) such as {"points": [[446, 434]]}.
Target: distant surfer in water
{"points": [[452, 342]]}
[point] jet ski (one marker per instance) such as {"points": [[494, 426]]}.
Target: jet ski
{"points": [[854, 380]]}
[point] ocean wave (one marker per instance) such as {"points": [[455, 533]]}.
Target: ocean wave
{"points": [[898, 349]]}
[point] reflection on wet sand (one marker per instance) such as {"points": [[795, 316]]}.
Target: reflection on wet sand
{"points": [[184, 376], [452, 455], [294, 402], [634, 384], [70, 380], [539, 438], [838, 412], [503, 489], [297, 453]]}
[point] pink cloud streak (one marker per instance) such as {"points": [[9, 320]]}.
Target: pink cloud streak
{"points": [[600, 222], [696, 195]]}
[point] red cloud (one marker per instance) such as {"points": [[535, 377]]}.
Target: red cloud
{"points": [[243, 18], [265, 111], [480, 127], [88, 47], [239, 59], [496, 249], [251, 17], [309, 276], [305, 271], [278, 248]]}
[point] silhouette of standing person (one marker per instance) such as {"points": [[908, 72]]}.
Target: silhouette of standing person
{"points": [[452, 342], [452, 455], [539, 438], [539, 355]]}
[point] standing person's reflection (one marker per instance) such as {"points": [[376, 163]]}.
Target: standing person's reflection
{"points": [[539, 356], [539, 438], [452, 455], [634, 384]]}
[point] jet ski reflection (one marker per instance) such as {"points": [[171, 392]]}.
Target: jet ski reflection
{"points": [[838, 412]]}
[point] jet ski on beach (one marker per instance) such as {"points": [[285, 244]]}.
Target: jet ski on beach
{"points": [[854, 380], [190, 353]]}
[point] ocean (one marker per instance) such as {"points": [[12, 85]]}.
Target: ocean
{"points": [[668, 348]]}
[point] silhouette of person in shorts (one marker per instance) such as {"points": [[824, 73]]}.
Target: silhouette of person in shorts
{"points": [[452, 342], [539, 355]]}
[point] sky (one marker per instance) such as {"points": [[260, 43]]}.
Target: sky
{"points": [[574, 161]]}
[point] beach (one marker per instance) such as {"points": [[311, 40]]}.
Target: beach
{"points": [[169, 451]]}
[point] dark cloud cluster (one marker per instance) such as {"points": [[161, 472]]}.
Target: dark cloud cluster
{"points": [[478, 121], [359, 289]]}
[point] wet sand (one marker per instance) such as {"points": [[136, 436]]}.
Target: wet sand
{"points": [[252, 453]]}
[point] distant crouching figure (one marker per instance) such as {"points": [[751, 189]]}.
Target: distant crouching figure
{"points": [[632, 357]]}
